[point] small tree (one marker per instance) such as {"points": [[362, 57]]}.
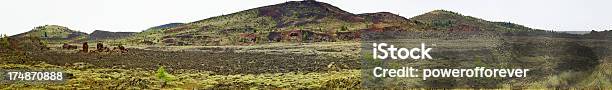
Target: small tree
{"points": [[164, 76]]}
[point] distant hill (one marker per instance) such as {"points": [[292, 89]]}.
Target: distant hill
{"points": [[384, 17], [312, 15], [308, 15], [605, 34], [448, 20], [100, 35], [390, 19], [322, 19], [52, 32], [165, 26]]}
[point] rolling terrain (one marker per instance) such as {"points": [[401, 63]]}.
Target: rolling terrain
{"points": [[53, 33], [306, 45], [310, 16]]}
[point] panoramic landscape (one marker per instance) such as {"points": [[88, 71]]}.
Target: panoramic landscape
{"points": [[305, 45]]}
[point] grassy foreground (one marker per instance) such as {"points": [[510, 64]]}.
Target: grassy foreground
{"points": [[95, 78], [84, 77]]}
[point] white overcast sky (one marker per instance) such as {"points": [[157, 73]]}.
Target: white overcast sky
{"points": [[19, 16]]}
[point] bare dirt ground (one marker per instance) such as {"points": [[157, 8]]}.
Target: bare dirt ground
{"points": [[220, 60]]}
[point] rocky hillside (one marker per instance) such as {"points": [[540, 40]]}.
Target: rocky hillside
{"points": [[312, 16], [443, 20], [100, 35], [317, 19]]}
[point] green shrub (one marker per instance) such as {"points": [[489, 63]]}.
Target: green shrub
{"points": [[344, 29], [164, 76], [443, 24]]}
